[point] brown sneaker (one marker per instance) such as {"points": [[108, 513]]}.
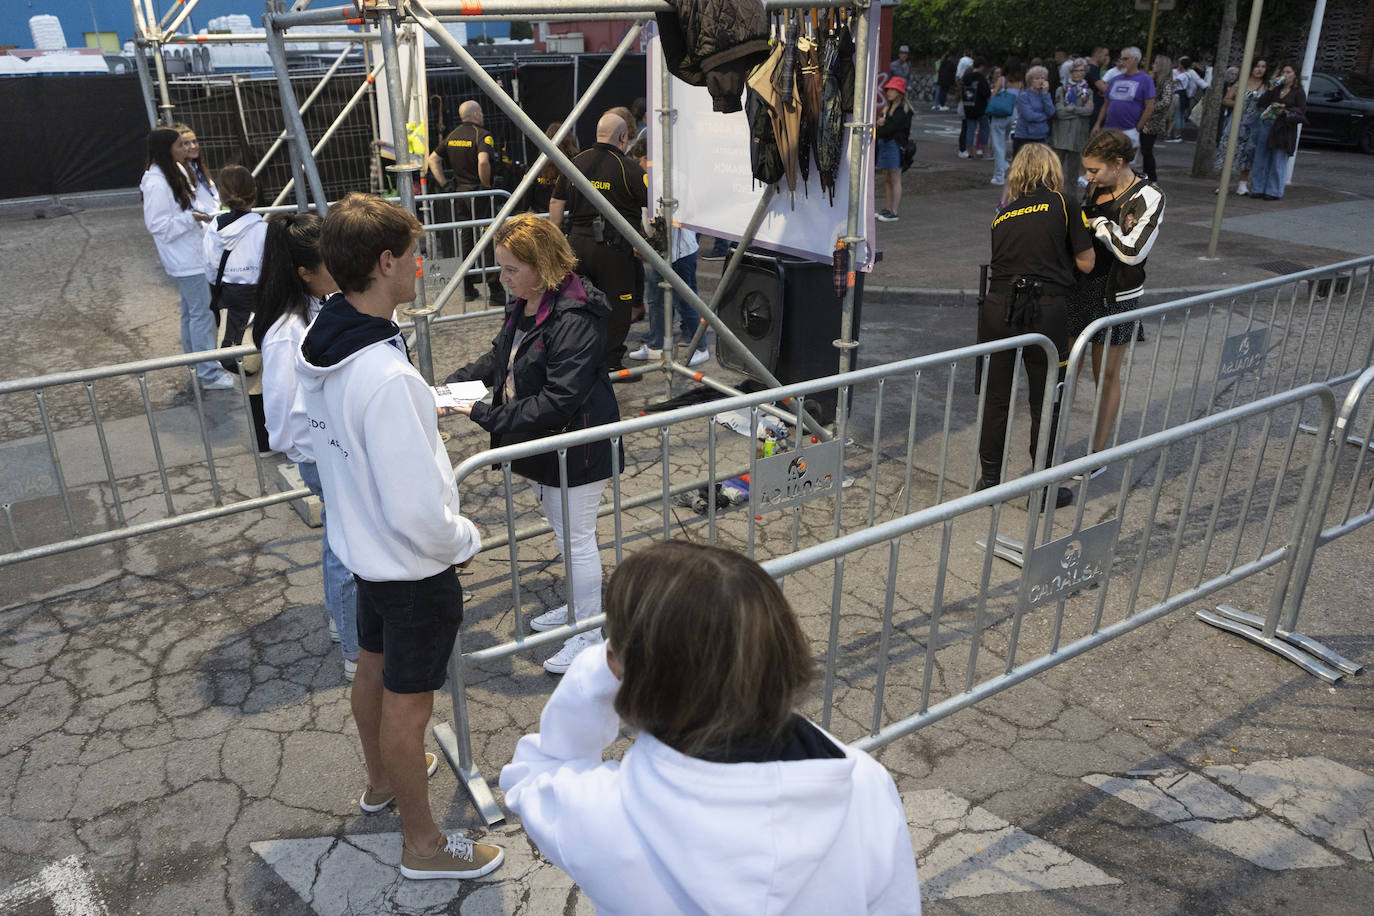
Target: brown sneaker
{"points": [[374, 800], [458, 858]]}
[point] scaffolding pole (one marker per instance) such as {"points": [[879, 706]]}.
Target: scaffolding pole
{"points": [[359, 94], [860, 130], [584, 187], [305, 106], [181, 17], [404, 169], [456, 282], [145, 81], [142, 16], [328, 38], [291, 114]]}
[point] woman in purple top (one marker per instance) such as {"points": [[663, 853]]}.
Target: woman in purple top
{"points": [[1130, 98]]}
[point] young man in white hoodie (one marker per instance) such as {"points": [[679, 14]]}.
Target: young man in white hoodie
{"points": [[394, 519], [728, 802]]}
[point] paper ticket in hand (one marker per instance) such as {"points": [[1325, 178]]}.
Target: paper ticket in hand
{"points": [[459, 394]]}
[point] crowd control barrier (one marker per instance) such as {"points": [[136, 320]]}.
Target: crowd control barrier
{"points": [[1345, 503], [1224, 348], [807, 494], [94, 462], [1199, 507], [1184, 359]]}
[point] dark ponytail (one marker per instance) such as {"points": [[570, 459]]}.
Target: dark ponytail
{"points": [[293, 240]]}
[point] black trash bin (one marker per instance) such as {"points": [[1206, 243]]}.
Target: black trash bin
{"points": [[785, 311]]}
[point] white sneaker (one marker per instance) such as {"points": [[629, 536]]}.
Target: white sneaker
{"points": [[561, 662], [699, 357], [350, 670], [333, 630], [1093, 474], [645, 352], [963, 154], [550, 620], [219, 383], [1242, 189]]}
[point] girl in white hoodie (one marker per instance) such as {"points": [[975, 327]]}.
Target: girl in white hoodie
{"points": [[233, 253], [292, 283], [729, 802], [176, 225]]}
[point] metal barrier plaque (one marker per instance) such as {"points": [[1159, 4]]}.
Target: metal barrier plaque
{"points": [[1060, 568], [792, 478], [1242, 352]]}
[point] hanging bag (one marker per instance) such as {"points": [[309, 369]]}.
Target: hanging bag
{"points": [[1001, 105]]}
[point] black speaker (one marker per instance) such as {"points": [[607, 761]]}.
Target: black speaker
{"points": [[785, 311]]}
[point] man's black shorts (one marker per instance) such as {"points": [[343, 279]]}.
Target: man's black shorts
{"points": [[412, 626]]}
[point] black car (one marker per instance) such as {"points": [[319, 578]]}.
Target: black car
{"points": [[1340, 109]]}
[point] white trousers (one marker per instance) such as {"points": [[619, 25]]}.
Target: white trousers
{"points": [[580, 546]]}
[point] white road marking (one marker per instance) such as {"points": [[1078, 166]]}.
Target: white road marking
{"points": [[67, 884], [340, 876], [966, 851], [1308, 797], [1318, 796]]}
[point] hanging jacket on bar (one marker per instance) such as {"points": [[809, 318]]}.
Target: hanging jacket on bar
{"points": [[714, 43]]}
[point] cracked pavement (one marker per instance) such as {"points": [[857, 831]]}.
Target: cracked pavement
{"points": [[174, 723]]}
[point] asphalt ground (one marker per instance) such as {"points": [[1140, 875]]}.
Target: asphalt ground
{"points": [[174, 727]]}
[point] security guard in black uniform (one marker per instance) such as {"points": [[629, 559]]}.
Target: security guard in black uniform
{"points": [[1037, 241], [470, 151], [603, 256]]}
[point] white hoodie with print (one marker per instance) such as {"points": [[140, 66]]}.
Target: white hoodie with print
{"points": [[243, 239], [374, 431]]}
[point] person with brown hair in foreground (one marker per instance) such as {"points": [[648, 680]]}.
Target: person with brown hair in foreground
{"points": [[728, 801]]}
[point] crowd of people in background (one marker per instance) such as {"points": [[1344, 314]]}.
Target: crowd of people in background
{"points": [[1064, 99]]}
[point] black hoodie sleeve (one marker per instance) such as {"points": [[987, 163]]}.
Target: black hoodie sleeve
{"points": [[576, 347]]}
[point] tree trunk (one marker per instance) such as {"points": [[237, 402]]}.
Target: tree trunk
{"points": [[1205, 151]]}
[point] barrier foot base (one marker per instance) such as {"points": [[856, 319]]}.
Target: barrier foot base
{"points": [[1009, 549], [1349, 440], [1303, 651], [472, 780]]}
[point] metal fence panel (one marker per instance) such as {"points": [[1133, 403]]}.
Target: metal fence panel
{"points": [[1194, 356], [1344, 503], [101, 455]]}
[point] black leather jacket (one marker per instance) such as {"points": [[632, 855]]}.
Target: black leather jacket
{"points": [[560, 383], [714, 43]]}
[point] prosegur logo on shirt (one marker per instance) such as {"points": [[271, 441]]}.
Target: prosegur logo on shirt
{"points": [[1023, 211]]}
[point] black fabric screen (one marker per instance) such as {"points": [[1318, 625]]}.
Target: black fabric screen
{"points": [[66, 134]]}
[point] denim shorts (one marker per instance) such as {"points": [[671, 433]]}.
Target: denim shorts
{"points": [[889, 155], [412, 625]]}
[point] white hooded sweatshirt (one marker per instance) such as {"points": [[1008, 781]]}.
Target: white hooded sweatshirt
{"points": [[660, 832], [243, 239], [374, 430], [176, 231], [283, 403]]}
